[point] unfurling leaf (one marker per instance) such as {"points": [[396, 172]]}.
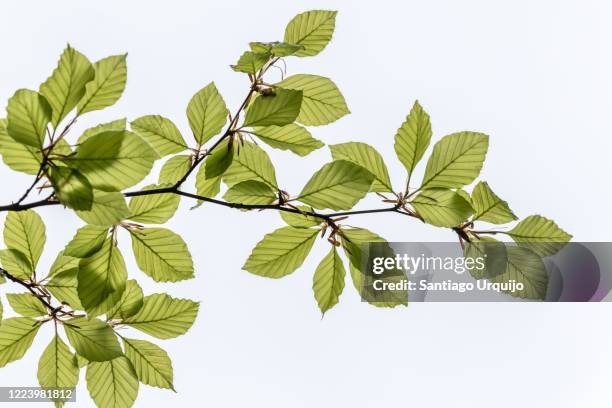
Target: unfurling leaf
{"points": [[289, 137], [442, 208], [312, 29], [322, 101], [107, 209], [57, 367], [252, 163], [251, 62], [328, 280], [278, 109], [162, 254], [456, 160], [28, 114], [489, 207], [338, 185], [18, 156], [151, 362], [66, 86], [281, 252], [26, 304], [16, 336], [113, 383], [25, 232], [107, 86], [366, 156], [541, 235], [207, 113], [154, 208], [250, 192], [71, 188], [130, 303], [160, 133], [164, 317], [413, 137], [92, 339]]}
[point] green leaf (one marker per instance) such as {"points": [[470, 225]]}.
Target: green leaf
{"points": [[413, 137], [86, 241], [64, 286], [366, 156], [66, 86], [116, 125], [219, 160], [312, 29], [17, 156], [250, 192], [281, 252], [541, 235], [154, 208], [207, 187], [16, 263], [442, 208], [57, 367], [207, 113], [339, 185], [28, 114], [489, 207], [164, 317], [251, 62], [160, 133], [162, 254], [494, 254], [71, 188], [300, 220], [328, 280], [92, 339], [107, 209], [63, 263], [276, 48], [277, 109], [25, 232], [456, 160], [16, 336], [251, 163], [113, 160], [26, 304], [102, 278], [322, 103], [152, 364], [174, 169], [130, 303], [289, 137], [112, 384], [526, 267], [107, 86]]}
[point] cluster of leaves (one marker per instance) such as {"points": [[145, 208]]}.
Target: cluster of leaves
{"points": [[87, 291]]}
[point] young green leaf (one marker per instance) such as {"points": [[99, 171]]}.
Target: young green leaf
{"points": [[489, 207], [278, 109], [16, 336], [66, 86], [442, 208], [26, 304], [151, 362], [207, 187], [338, 185], [251, 62], [57, 367], [251, 163], [289, 137], [107, 209], [526, 267], [160, 133], [456, 160], [276, 48], [17, 156], [113, 160], [322, 103], [164, 317], [107, 86], [366, 156], [328, 280], [92, 339], [28, 114], [16, 263], [312, 29], [300, 220], [63, 263], [174, 169], [207, 113], [162, 254], [250, 192], [64, 286], [102, 278], [130, 303], [541, 235], [25, 232], [112, 384], [115, 125], [281, 252], [154, 208], [219, 161], [71, 188], [86, 241], [413, 137]]}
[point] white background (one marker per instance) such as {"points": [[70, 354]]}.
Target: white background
{"points": [[535, 75]]}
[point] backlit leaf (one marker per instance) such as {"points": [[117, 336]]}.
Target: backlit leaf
{"points": [[289, 137], [112, 384], [57, 367], [152, 364], [164, 317], [312, 29], [250, 192], [25, 232], [154, 208], [16, 336], [277, 109], [442, 208], [107, 86], [86, 241], [92, 339], [207, 113], [130, 303], [413, 137], [367, 157], [328, 280], [17, 156], [251, 62], [160, 133], [541, 235], [28, 114], [72, 189], [108, 208], [251, 163], [26, 304], [489, 207]]}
